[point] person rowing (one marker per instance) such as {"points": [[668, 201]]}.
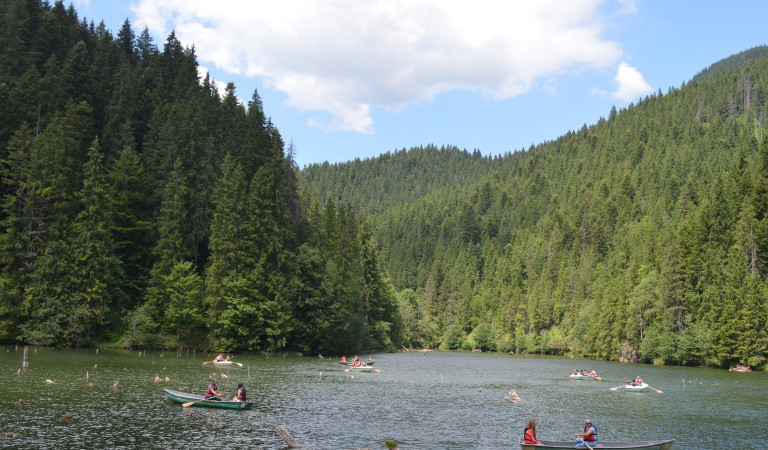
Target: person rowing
{"points": [[213, 391], [589, 437]]}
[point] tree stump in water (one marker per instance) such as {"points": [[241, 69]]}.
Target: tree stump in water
{"points": [[286, 437]]}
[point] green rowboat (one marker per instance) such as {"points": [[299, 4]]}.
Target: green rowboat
{"points": [[183, 397], [570, 445]]}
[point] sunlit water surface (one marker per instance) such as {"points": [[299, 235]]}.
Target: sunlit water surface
{"points": [[421, 400]]}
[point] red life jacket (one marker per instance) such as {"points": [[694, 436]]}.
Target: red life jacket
{"points": [[592, 437], [530, 436]]}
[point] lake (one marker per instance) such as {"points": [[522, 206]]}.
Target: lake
{"points": [[436, 400]]}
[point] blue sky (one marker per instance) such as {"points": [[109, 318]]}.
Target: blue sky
{"points": [[346, 79]]}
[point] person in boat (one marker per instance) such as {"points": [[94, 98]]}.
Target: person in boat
{"points": [[343, 358], [638, 381], [370, 359], [357, 359], [241, 395], [588, 437], [213, 391], [219, 358], [529, 435]]}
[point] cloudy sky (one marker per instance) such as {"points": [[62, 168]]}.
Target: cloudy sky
{"points": [[345, 79]]}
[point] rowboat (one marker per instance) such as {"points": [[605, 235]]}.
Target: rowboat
{"points": [[224, 363], [361, 368], [740, 369], [569, 445], [349, 363], [577, 376], [642, 387], [183, 397]]}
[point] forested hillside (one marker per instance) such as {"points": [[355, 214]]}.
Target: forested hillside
{"points": [[142, 207], [395, 178], [643, 237]]}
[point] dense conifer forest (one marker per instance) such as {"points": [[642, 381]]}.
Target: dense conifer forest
{"points": [[643, 237], [143, 208]]}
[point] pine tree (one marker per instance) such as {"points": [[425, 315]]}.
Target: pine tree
{"points": [[227, 249], [97, 268], [131, 229]]}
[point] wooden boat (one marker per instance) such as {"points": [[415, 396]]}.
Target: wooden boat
{"points": [[183, 397], [570, 445]]}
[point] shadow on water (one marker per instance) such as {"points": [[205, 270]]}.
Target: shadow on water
{"points": [[423, 401]]}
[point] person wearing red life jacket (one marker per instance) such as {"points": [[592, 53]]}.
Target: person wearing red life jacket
{"points": [[589, 437], [529, 435], [213, 391]]}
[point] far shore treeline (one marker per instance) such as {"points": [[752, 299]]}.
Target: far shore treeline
{"points": [[140, 207]]}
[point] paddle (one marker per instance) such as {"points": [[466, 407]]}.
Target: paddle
{"points": [[582, 440], [192, 403]]}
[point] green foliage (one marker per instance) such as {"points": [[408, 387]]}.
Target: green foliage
{"points": [[137, 201], [140, 206], [639, 238]]}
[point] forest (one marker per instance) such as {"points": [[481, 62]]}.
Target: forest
{"points": [[640, 238], [141, 207]]}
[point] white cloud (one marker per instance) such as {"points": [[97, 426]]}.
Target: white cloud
{"points": [[628, 6], [347, 57], [631, 83]]}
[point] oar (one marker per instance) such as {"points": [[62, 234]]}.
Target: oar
{"points": [[658, 391], [617, 387], [239, 364], [598, 379], [192, 403], [582, 440], [208, 362]]}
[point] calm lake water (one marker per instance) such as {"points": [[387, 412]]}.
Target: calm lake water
{"points": [[421, 400]]}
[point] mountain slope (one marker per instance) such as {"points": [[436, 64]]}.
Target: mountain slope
{"points": [[396, 177], [642, 237]]}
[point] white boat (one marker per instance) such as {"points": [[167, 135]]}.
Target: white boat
{"points": [[360, 368], [224, 363], [642, 387], [578, 376]]}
